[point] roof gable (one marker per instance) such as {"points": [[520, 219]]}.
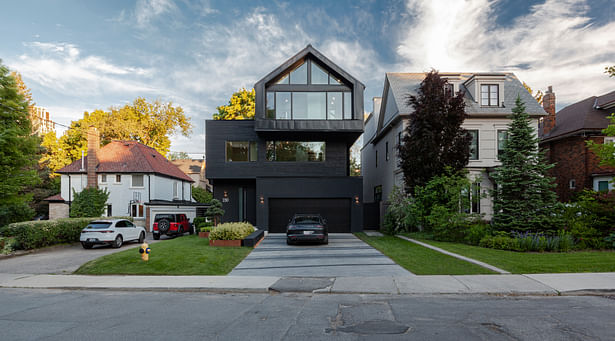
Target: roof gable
{"points": [[129, 157], [582, 115], [314, 54]]}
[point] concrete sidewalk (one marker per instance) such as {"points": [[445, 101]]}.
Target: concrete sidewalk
{"points": [[536, 284]]}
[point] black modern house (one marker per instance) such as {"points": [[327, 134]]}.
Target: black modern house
{"points": [[294, 156]]}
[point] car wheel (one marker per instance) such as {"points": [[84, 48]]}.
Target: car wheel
{"points": [[86, 245], [326, 241], [118, 241], [156, 236], [164, 225], [288, 242], [141, 238]]}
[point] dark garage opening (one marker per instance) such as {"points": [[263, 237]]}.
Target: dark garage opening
{"points": [[335, 211]]}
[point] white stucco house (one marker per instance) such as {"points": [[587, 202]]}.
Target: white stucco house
{"points": [[141, 182], [489, 99]]}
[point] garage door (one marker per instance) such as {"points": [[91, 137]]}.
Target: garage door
{"points": [[335, 211]]}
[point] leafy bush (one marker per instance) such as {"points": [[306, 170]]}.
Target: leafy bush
{"points": [[610, 241], [7, 245], [592, 215], [499, 241], [205, 224], [207, 228], [215, 211], [15, 212], [90, 202], [475, 232], [198, 220], [201, 195], [231, 231], [35, 234]]}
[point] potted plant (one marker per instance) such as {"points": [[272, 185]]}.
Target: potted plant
{"points": [[215, 211], [230, 234]]}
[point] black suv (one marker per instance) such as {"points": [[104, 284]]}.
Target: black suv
{"points": [[171, 224], [307, 227]]}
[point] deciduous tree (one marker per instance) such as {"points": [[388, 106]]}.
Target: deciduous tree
{"points": [[18, 152], [523, 198], [239, 107], [434, 139]]}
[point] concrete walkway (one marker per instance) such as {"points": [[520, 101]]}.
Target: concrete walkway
{"points": [[536, 284], [345, 255]]}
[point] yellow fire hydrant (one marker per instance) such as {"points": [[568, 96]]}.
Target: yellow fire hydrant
{"points": [[144, 250]]}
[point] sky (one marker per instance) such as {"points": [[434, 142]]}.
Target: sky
{"points": [[79, 56]]}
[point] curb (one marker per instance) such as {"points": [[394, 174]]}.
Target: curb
{"points": [[19, 253]]}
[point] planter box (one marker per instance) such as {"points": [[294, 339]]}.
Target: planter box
{"points": [[225, 242], [204, 234]]}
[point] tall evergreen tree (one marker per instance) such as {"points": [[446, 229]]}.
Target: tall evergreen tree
{"points": [[18, 152], [523, 198], [434, 139]]}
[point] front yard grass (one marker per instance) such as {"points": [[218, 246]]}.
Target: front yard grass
{"points": [[421, 260], [532, 262], [188, 255]]}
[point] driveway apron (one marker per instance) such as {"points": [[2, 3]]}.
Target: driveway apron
{"points": [[345, 256]]}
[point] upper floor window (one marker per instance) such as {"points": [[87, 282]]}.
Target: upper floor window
{"points": [[296, 151], [387, 151], [490, 95], [449, 89], [103, 178], [118, 178], [176, 189], [474, 144], [378, 193], [241, 151], [502, 137], [137, 180]]}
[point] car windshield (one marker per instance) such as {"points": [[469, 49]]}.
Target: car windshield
{"points": [[98, 225], [307, 220]]}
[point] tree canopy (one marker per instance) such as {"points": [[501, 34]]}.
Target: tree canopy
{"points": [[239, 107], [18, 151], [523, 198], [141, 121], [606, 151], [434, 139]]}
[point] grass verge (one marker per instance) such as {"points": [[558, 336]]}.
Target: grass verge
{"points": [[421, 260], [188, 255], [533, 262]]}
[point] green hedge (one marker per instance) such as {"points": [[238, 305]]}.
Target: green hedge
{"points": [[231, 231], [35, 234]]}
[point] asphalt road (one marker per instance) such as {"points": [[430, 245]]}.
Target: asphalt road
{"points": [[60, 260], [94, 315]]}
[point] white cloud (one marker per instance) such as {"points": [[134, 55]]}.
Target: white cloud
{"points": [[148, 10], [554, 44]]}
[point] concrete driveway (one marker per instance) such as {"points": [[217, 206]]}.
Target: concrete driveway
{"points": [[62, 259], [345, 256]]}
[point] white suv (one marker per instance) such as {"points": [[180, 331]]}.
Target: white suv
{"points": [[114, 232]]}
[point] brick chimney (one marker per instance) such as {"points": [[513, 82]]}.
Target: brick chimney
{"points": [[548, 103], [93, 146]]}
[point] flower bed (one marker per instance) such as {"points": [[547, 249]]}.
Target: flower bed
{"points": [[230, 234]]}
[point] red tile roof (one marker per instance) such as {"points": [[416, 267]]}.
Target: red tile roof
{"points": [[129, 157], [56, 197]]}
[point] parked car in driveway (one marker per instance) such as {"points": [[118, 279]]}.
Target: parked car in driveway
{"points": [[113, 232], [307, 228], [171, 224]]}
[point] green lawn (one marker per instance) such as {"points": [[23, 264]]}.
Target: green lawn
{"points": [[532, 262], [188, 255], [421, 260]]}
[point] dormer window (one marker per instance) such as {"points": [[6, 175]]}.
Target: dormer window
{"points": [[449, 89], [489, 95]]}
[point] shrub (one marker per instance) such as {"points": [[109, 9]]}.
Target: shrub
{"points": [[215, 211], [231, 231], [499, 241], [207, 228], [476, 231], [35, 234], [592, 215], [90, 202], [610, 241], [7, 245], [198, 220], [201, 195]]}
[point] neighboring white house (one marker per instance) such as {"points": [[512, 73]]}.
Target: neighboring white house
{"points": [[489, 99], [140, 182]]}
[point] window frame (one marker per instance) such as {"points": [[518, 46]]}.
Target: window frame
{"points": [[103, 178], [118, 179], [132, 185], [572, 184], [378, 193], [489, 86], [477, 144], [138, 208], [497, 142], [250, 158], [275, 142]]}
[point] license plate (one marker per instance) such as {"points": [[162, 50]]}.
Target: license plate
{"points": [[308, 232], [91, 239]]}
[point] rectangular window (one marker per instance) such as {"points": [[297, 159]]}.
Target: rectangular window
{"points": [[376, 159], [387, 151], [175, 189], [399, 138], [502, 137], [282, 105], [475, 197], [474, 145], [270, 104], [241, 151], [603, 186], [489, 95], [334, 105], [448, 89], [109, 211], [103, 178], [294, 151], [347, 106], [137, 180], [309, 105], [118, 178], [378, 193]]}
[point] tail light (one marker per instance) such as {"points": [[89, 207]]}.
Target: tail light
{"points": [[319, 226], [155, 226], [292, 227], [107, 231]]}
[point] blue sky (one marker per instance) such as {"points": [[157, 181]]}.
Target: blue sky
{"points": [[80, 56]]}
